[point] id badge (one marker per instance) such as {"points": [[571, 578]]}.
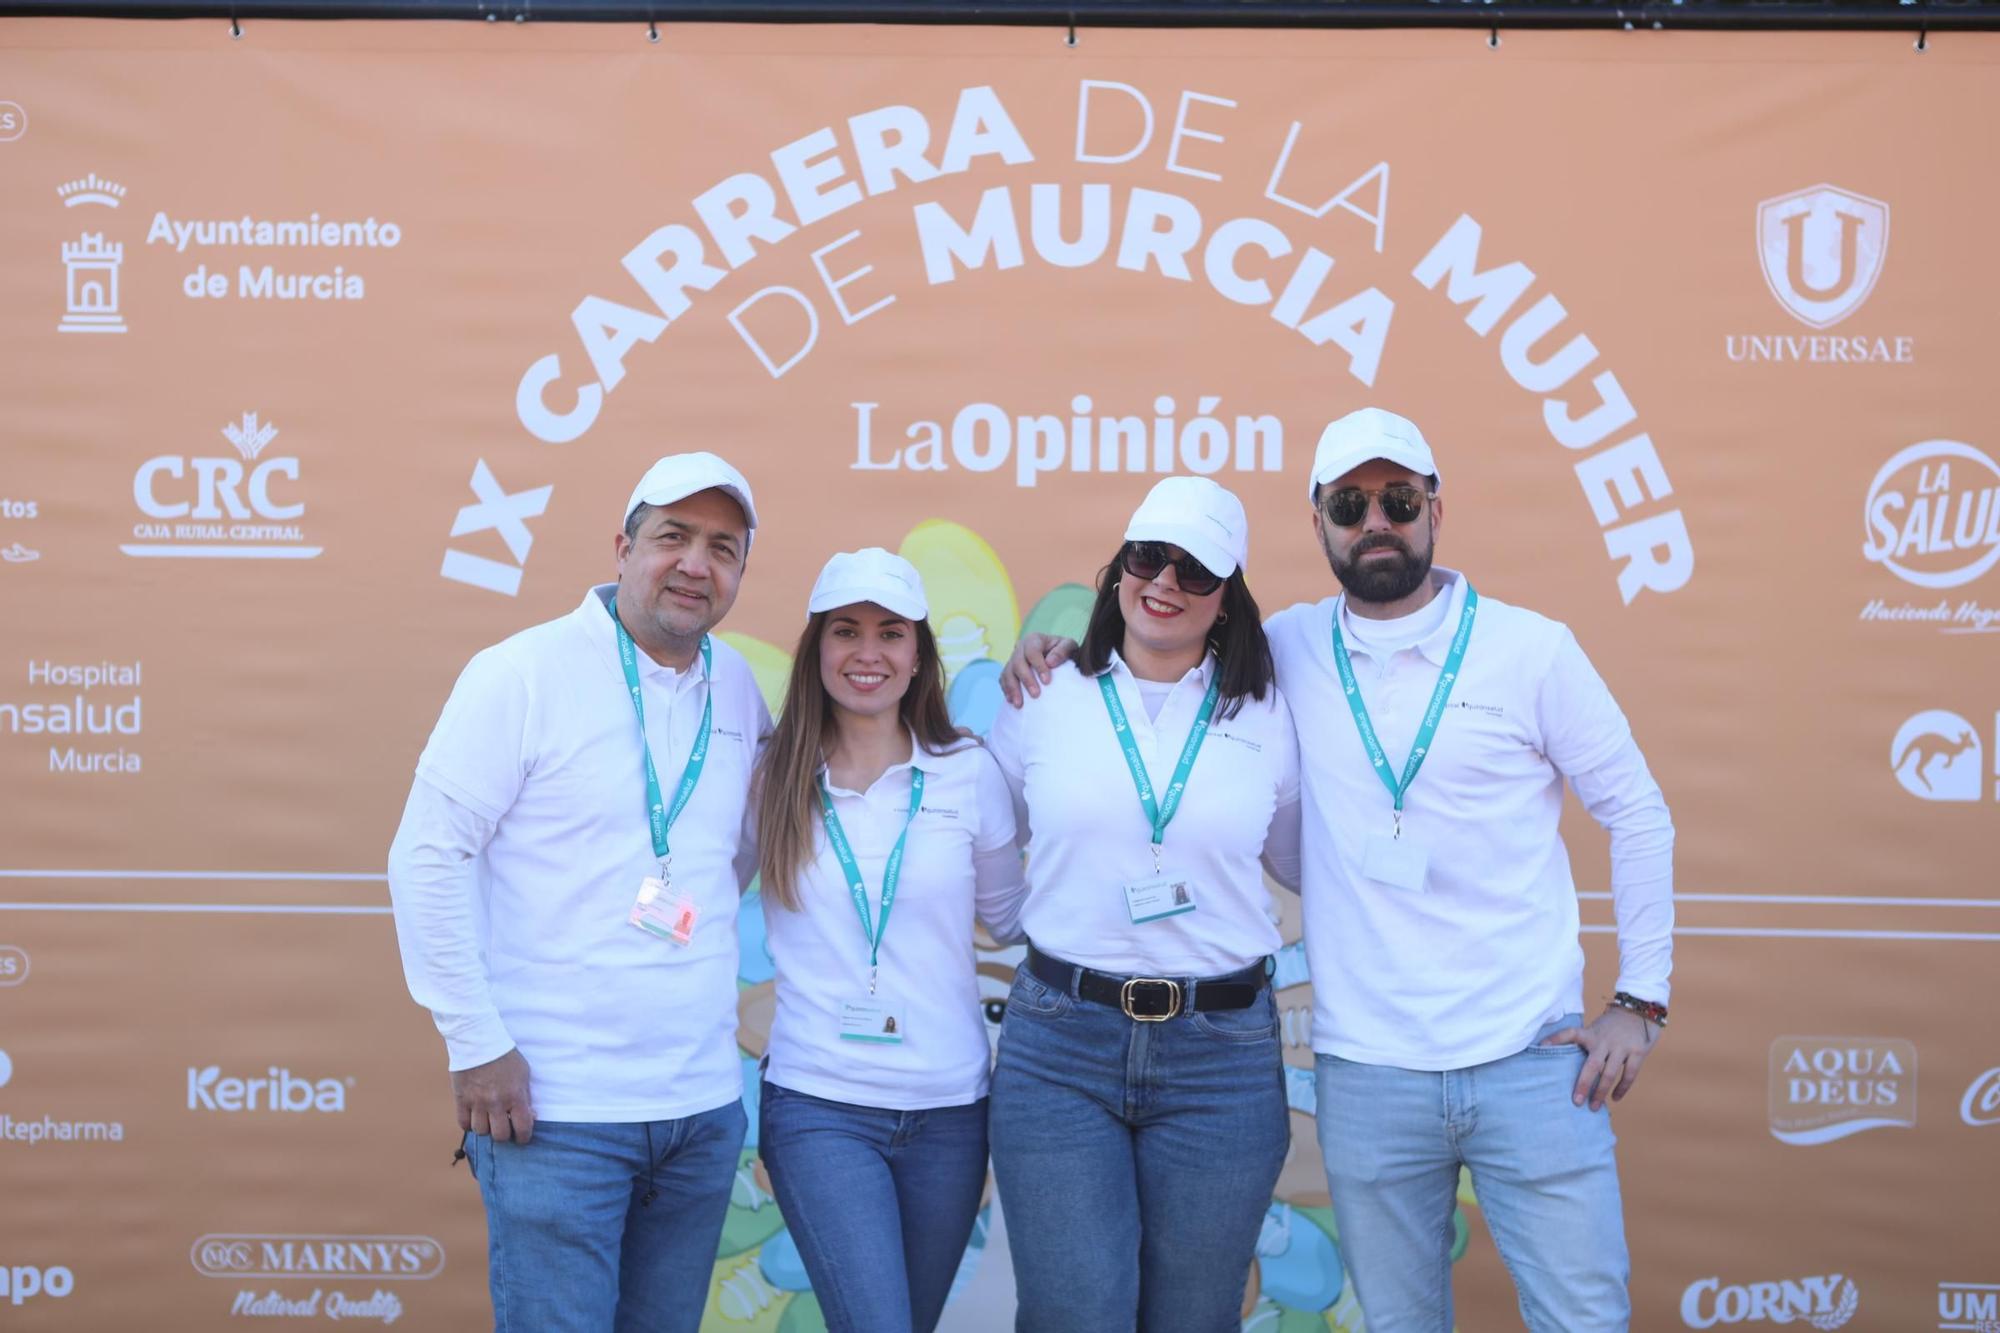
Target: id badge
{"points": [[661, 911], [1160, 896], [1397, 862], [874, 1018]]}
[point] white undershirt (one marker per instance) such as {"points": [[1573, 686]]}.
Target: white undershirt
{"points": [[1153, 693]]}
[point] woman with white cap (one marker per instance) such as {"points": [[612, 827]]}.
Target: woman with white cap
{"points": [[1139, 1118], [882, 829]]}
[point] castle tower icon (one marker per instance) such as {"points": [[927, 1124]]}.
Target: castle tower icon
{"points": [[93, 285]]}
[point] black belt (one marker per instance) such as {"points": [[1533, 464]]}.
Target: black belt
{"points": [[1151, 999]]}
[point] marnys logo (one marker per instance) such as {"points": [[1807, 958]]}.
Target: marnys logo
{"points": [[278, 1090], [1827, 1088], [1971, 1307], [1822, 250], [1824, 1302], [1981, 1104], [1932, 518], [1936, 756], [24, 1282], [391, 1258], [233, 514]]}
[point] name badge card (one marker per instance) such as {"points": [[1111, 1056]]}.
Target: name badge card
{"points": [[872, 1018], [1397, 862], [664, 912], [1160, 896]]}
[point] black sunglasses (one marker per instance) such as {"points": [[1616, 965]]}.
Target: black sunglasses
{"points": [[1348, 506], [1145, 560]]}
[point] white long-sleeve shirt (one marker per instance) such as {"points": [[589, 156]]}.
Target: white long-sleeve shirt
{"points": [[1467, 968], [959, 858], [1079, 815], [521, 852]]}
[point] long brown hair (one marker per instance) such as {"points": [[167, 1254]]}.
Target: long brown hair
{"points": [[787, 785]]}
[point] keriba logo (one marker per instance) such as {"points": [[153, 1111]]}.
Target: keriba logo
{"points": [[278, 1090], [1822, 249]]}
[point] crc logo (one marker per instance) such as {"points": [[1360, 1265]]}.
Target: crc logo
{"points": [[1928, 527], [1827, 1088], [1822, 250], [221, 507], [1970, 1306], [13, 968], [1824, 1302], [1981, 1104], [390, 1258], [23, 1282], [1936, 755], [278, 1090]]}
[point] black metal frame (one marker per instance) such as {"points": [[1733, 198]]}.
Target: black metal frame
{"points": [[1916, 16]]}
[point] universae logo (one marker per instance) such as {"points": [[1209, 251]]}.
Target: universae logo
{"points": [[1822, 249]]}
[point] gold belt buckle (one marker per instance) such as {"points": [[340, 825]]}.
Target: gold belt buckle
{"points": [[1126, 992]]}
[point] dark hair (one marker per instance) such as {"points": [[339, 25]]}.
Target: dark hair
{"points": [[637, 517], [787, 786], [1242, 653]]}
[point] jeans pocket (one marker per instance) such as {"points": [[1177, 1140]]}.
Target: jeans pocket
{"points": [[1032, 995], [1255, 1022]]}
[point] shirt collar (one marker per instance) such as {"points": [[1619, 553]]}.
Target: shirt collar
{"points": [[1198, 674], [1436, 645], [911, 762], [599, 625]]}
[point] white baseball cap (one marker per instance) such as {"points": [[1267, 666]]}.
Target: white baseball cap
{"points": [[1198, 516], [677, 476], [1363, 436], [870, 575]]}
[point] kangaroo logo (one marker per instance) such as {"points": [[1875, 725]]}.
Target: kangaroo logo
{"points": [[1937, 756], [1822, 249]]}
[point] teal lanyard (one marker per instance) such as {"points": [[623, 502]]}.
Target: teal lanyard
{"points": [[657, 814], [1427, 732], [1160, 813], [836, 837]]}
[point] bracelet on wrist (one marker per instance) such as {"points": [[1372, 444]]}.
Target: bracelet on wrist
{"points": [[1650, 1010]]}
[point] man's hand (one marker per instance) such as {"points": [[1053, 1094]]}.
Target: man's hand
{"points": [[1032, 664], [493, 1098], [1616, 1044]]}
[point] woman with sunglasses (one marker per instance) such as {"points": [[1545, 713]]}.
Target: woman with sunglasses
{"points": [[882, 829], [1139, 1119]]}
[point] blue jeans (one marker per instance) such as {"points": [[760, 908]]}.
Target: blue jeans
{"points": [[574, 1245], [1135, 1160], [1544, 1169], [881, 1203]]}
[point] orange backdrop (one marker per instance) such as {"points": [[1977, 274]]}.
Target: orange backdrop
{"points": [[328, 354]]}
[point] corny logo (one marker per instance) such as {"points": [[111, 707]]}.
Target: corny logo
{"points": [[1824, 1302]]}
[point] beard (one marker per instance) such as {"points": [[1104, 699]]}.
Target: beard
{"points": [[1386, 580]]}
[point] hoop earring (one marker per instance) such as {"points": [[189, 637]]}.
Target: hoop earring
{"points": [[1222, 617]]}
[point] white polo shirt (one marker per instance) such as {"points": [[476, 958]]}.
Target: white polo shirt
{"points": [[960, 857], [522, 850], [1087, 835], [1467, 969]]}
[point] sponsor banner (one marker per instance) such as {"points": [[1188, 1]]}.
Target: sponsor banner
{"points": [[1827, 1088], [1968, 1307], [296, 428]]}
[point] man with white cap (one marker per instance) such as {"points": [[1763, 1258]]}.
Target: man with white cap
{"points": [[565, 883], [1437, 729]]}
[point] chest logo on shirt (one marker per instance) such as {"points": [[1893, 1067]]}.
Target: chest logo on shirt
{"points": [[1490, 710], [940, 811]]}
